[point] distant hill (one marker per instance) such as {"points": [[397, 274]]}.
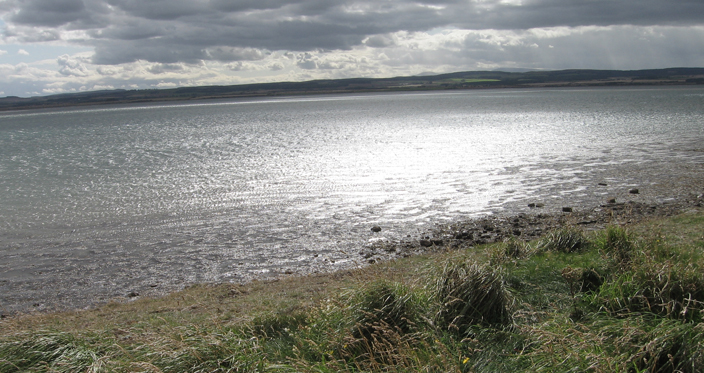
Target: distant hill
{"points": [[458, 80]]}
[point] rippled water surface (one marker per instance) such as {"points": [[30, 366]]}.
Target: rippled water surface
{"points": [[96, 202]]}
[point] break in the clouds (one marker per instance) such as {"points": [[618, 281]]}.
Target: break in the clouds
{"points": [[161, 43]]}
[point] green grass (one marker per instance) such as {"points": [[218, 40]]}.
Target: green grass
{"points": [[619, 300]]}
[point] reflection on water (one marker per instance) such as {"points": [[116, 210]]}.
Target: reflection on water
{"points": [[113, 199]]}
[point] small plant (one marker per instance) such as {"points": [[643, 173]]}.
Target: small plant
{"points": [[384, 317], [618, 244], [582, 280], [674, 347], [384, 304], [672, 292], [279, 324], [471, 294], [55, 352], [511, 249], [567, 240]]}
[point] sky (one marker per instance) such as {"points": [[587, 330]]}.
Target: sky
{"points": [[59, 46]]}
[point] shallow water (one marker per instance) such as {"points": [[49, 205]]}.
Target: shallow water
{"points": [[99, 202]]}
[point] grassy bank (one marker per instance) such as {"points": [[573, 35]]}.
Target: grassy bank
{"points": [[618, 300]]}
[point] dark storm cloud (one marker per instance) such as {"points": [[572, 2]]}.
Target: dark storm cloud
{"points": [[170, 31], [572, 13], [50, 13]]}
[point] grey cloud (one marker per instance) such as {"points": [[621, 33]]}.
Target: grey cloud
{"points": [[50, 13], [276, 66], [307, 62], [161, 68], [551, 13], [244, 5], [379, 41], [235, 54], [161, 9], [171, 31], [23, 35]]}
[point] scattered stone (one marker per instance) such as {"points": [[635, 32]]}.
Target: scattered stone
{"points": [[376, 229], [603, 184], [611, 201], [567, 209], [288, 272], [633, 191], [153, 285], [133, 294], [426, 243], [539, 205], [516, 232], [437, 242], [531, 205]]}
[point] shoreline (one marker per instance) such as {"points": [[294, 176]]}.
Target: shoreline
{"points": [[529, 226], [464, 234]]}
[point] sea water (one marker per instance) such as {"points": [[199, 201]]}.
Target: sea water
{"points": [[98, 202]]}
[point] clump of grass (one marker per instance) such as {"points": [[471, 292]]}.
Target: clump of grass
{"points": [[648, 277], [278, 324], [638, 344], [201, 351], [582, 280], [673, 347], [471, 294], [509, 250], [675, 292], [55, 352], [618, 244], [385, 315], [383, 304], [566, 240]]}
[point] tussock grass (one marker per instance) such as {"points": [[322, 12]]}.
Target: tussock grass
{"points": [[50, 351], [618, 244], [510, 250], [471, 294], [619, 300], [565, 240]]}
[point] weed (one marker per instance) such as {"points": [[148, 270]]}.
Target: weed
{"points": [[384, 315], [618, 244], [55, 352], [670, 291], [566, 240], [511, 249], [471, 294], [673, 347]]}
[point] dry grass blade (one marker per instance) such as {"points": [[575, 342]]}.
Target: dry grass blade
{"points": [[471, 294]]}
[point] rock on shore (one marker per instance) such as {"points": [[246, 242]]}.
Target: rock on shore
{"points": [[526, 226]]}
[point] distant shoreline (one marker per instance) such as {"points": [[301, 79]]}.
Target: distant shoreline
{"points": [[443, 82]]}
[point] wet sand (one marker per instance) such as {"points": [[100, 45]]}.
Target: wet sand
{"points": [[604, 198]]}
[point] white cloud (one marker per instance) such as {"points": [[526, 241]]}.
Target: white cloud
{"points": [[23, 52], [2, 52], [166, 43], [70, 66]]}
